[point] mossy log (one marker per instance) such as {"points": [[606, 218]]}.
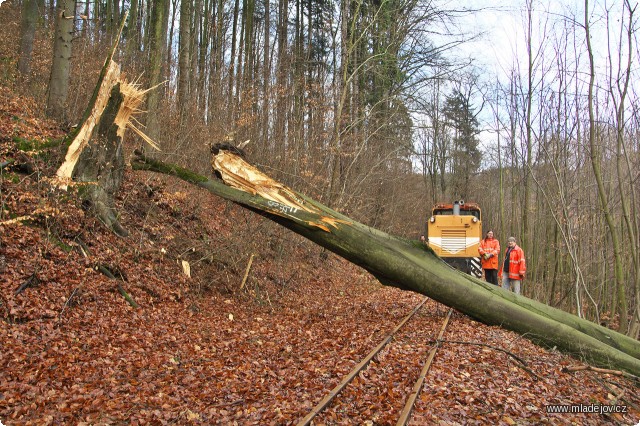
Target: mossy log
{"points": [[411, 266]]}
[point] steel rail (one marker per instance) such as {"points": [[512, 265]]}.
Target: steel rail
{"points": [[359, 367], [405, 415]]}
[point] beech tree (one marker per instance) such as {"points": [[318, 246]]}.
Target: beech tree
{"points": [[61, 66], [157, 46], [27, 34]]}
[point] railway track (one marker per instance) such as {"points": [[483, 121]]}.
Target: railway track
{"points": [[372, 379]]}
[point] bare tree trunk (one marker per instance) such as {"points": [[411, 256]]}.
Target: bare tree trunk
{"points": [[266, 74], [231, 96], [628, 201], [61, 66], [133, 31], [602, 193], [184, 61], [156, 51], [196, 40], [27, 35]]}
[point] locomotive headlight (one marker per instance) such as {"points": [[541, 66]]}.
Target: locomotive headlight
{"points": [[474, 220], [433, 219]]}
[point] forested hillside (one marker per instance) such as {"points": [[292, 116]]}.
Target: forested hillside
{"points": [[206, 313], [372, 109]]}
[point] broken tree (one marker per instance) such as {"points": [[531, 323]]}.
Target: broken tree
{"points": [[408, 264], [95, 158]]}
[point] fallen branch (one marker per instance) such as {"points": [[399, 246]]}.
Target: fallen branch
{"points": [[618, 396], [246, 272], [574, 368], [127, 297], [521, 363], [32, 281], [460, 342], [121, 290], [6, 163], [81, 247], [69, 301]]}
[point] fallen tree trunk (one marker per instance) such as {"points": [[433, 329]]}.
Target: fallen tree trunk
{"points": [[409, 265]]}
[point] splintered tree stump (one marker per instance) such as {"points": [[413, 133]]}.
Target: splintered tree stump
{"points": [[101, 165], [95, 159]]}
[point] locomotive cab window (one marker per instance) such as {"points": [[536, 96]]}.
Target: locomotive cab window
{"points": [[449, 212]]}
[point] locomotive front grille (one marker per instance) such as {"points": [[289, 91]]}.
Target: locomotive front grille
{"points": [[454, 241]]}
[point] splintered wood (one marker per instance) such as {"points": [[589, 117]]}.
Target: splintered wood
{"points": [[65, 172], [283, 201], [132, 98]]}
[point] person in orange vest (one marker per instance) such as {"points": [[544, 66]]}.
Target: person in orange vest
{"points": [[489, 249], [514, 267]]}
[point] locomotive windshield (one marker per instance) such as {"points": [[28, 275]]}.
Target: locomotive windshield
{"points": [[448, 212]]}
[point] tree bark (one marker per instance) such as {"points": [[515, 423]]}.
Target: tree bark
{"points": [[410, 266], [61, 66], [184, 57], [157, 45], [101, 165], [27, 35], [133, 31], [596, 163]]}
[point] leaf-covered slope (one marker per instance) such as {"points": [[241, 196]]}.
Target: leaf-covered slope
{"points": [[199, 349]]}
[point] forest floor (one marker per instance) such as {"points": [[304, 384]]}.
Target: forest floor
{"points": [[204, 348]]}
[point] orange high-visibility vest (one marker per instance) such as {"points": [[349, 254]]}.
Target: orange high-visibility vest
{"points": [[489, 246], [517, 265]]}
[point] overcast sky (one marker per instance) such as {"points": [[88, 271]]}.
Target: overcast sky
{"points": [[502, 25]]}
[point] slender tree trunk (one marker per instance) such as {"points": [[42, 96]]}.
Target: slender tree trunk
{"points": [[196, 34], [27, 35], [282, 70], [109, 16], [61, 66], [240, 64], [168, 70], [203, 48], [156, 51], [116, 12], [602, 193], [626, 199], [231, 96], [528, 141], [266, 74], [184, 58], [133, 31]]}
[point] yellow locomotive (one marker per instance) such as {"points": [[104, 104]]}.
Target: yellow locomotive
{"points": [[454, 232]]}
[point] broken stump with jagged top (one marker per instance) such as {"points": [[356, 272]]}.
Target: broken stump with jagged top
{"points": [[95, 158]]}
